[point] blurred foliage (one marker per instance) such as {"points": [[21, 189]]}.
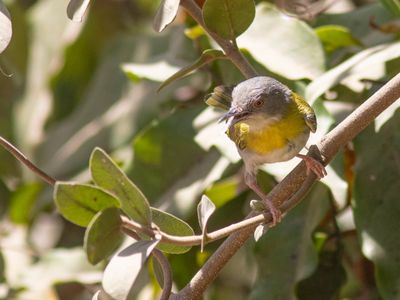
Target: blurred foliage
{"points": [[76, 86]]}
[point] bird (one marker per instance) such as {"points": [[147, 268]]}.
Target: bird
{"points": [[269, 123]]}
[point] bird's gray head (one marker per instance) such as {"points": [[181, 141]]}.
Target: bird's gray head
{"points": [[259, 95]]}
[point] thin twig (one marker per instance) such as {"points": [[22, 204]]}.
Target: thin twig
{"points": [[23, 159], [229, 48], [167, 274], [329, 146]]}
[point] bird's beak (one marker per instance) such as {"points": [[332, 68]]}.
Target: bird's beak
{"points": [[231, 113]]}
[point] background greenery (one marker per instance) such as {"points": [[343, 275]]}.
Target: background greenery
{"points": [[75, 86]]}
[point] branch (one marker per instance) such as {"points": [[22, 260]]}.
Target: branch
{"points": [[23, 159], [296, 183], [229, 47]]}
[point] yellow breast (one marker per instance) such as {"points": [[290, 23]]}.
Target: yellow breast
{"points": [[263, 136]]}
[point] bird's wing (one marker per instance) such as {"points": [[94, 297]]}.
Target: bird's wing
{"points": [[307, 111]]}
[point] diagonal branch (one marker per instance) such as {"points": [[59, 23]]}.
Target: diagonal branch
{"points": [[295, 186], [23, 159]]}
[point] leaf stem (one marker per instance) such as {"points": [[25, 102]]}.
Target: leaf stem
{"points": [[23, 159], [167, 274]]}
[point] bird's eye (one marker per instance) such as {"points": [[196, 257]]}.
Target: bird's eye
{"points": [[258, 103]]}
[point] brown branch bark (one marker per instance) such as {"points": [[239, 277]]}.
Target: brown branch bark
{"points": [[24, 160], [295, 186]]}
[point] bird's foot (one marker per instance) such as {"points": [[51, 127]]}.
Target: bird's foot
{"points": [[267, 205], [275, 212], [313, 165]]}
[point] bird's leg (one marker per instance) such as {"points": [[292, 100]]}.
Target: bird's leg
{"points": [[313, 165], [251, 181]]}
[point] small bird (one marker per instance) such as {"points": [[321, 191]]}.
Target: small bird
{"points": [[269, 123]]}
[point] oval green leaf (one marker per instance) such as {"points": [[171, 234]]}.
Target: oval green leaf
{"points": [[109, 176], [228, 18], [166, 13], [173, 226], [78, 203], [103, 235], [285, 45], [206, 57]]}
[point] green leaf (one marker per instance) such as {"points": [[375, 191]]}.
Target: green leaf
{"points": [[173, 226], [103, 235], [204, 211], [356, 21], [5, 27], [334, 37], [164, 152], [376, 202], [76, 9], [206, 57], [228, 18], [79, 203], [166, 13], [123, 269], [393, 6], [284, 45], [22, 202], [109, 176], [289, 246]]}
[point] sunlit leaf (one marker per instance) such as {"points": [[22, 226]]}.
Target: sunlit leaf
{"points": [[5, 27], [206, 57], [194, 32], [260, 231], [76, 9], [369, 63], [166, 13], [158, 71], [284, 45], [103, 235], [334, 37], [109, 176], [123, 269], [228, 18], [79, 203], [204, 211], [56, 266], [375, 202]]}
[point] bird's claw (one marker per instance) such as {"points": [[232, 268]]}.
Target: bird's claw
{"points": [[313, 165]]}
